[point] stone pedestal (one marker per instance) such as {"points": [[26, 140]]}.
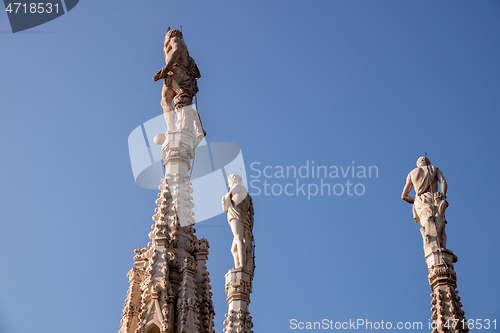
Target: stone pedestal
{"points": [[177, 146], [238, 289], [447, 313], [178, 151]]}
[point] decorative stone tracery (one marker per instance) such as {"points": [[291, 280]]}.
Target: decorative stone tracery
{"points": [[169, 283], [447, 314]]}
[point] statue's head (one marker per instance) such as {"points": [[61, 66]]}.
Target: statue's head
{"points": [[234, 180], [423, 161], [172, 33]]}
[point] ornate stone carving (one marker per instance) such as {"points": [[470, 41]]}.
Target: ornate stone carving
{"points": [[447, 314], [169, 283], [203, 286], [188, 305], [131, 311], [238, 285], [178, 151], [141, 254], [238, 321], [182, 199]]}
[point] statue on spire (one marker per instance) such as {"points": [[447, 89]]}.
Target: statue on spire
{"points": [[429, 204], [238, 206], [180, 76]]}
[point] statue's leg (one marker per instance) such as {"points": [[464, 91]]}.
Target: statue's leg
{"points": [[428, 232], [234, 251], [166, 103], [200, 132], [441, 222], [238, 232], [200, 128], [441, 234], [249, 253]]}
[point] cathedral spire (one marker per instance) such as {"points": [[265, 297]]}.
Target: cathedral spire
{"points": [[169, 284], [429, 206]]}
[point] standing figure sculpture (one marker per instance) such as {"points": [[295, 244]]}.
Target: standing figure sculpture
{"points": [[429, 204], [180, 74], [238, 206]]}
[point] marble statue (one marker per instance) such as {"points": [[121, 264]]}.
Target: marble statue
{"points": [[429, 204], [180, 76], [238, 206]]}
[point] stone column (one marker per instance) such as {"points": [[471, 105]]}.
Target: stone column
{"points": [[447, 313], [203, 283], [130, 316], [238, 289], [178, 146]]}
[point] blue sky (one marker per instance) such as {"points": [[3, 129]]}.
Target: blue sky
{"points": [[375, 82]]}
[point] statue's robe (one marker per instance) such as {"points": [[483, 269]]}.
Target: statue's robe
{"points": [[243, 212], [429, 208], [183, 80], [427, 203]]}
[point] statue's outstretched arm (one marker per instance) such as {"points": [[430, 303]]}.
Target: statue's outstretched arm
{"points": [[162, 73], [406, 191]]}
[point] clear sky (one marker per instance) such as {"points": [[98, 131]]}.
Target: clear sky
{"points": [[291, 82]]}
